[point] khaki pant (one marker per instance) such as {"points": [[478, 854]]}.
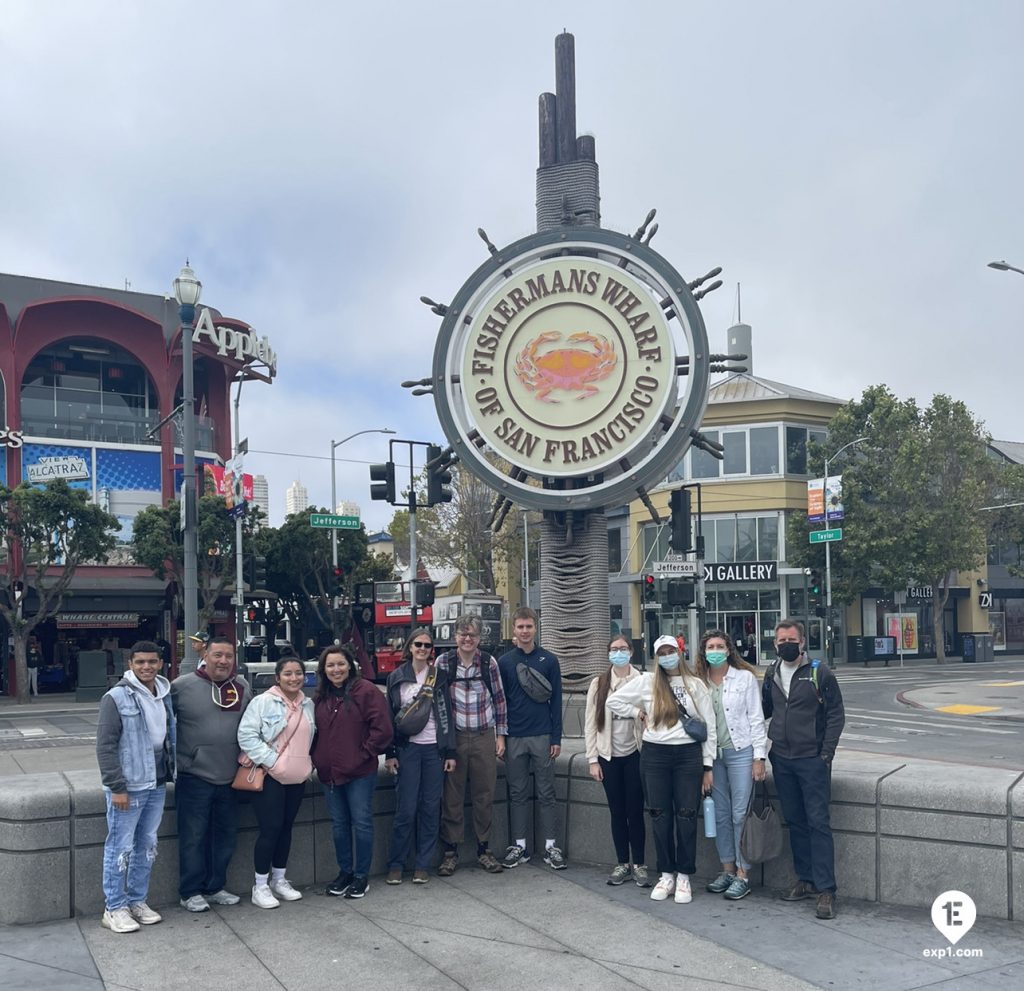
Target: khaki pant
{"points": [[476, 758]]}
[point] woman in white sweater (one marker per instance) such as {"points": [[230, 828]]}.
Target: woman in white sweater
{"points": [[742, 748], [674, 765], [613, 751]]}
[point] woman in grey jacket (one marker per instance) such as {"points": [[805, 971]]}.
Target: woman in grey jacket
{"points": [[421, 759], [135, 749]]}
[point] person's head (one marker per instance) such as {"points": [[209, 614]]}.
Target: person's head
{"points": [[667, 655], [789, 640], [289, 674], [620, 652], [468, 630], [286, 651], [419, 647], [664, 711], [337, 666], [524, 628], [717, 651], [200, 641], [144, 661], [220, 658]]}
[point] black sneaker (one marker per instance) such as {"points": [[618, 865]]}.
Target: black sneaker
{"points": [[555, 859], [358, 887], [340, 884], [514, 856]]}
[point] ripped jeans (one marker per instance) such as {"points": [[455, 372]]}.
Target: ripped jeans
{"points": [[672, 775], [130, 848]]}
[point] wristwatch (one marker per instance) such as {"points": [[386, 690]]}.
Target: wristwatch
{"points": [[707, 769]]}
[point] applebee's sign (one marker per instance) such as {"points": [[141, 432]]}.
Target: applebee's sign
{"points": [[243, 345]]}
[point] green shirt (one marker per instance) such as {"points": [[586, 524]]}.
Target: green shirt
{"points": [[724, 740]]}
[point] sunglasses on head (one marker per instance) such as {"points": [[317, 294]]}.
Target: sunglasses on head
{"points": [[423, 646]]}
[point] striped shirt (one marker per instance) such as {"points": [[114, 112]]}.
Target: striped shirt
{"points": [[472, 705]]}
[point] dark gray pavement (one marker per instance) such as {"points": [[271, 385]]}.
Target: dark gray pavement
{"points": [[526, 929]]}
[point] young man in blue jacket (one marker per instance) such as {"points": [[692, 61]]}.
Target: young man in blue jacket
{"points": [[135, 749], [534, 737]]}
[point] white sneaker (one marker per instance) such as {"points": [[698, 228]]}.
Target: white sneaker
{"points": [[283, 889], [665, 886], [683, 893], [196, 903], [119, 921], [223, 897], [263, 897], [141, 912]]}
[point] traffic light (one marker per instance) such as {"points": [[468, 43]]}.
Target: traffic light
{"points": [[259, 571], [256, 614], [337, 581], [439, 477], [251, 614], [681, 592], [650, 593], [382, 478], [814, 582], [681, 528]]}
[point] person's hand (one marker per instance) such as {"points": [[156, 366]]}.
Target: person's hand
{"points": [[643, 716], [827, 759], [555, 750], [708, 783], [449, 765], [499, 747], [595, 771], [392, 765], [120, 802], [759, 771]]}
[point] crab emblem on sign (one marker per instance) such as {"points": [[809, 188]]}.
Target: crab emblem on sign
{"points": [[570, 369]]}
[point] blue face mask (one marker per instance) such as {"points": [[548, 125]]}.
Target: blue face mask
{"points": [[716, 657], [669, 661], [618, 657]]}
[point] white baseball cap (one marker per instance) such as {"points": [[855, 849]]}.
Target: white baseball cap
{"points": [[666, 641]]}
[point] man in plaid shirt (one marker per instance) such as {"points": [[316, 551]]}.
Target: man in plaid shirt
{"points": [[481, 725]]}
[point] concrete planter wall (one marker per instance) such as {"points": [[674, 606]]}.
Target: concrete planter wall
{"points": [[905, 832]]}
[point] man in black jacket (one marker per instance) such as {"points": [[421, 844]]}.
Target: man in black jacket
{"points": [[802, 698]]}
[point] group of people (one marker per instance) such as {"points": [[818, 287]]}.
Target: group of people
{"points": [[442, 724], [705, 726]]}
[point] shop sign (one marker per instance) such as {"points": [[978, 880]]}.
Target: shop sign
{"points": [[243, 345], [11, 438], [69, 467], [96, 620], [733, 572]]}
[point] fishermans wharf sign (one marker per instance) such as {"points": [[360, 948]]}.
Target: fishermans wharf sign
{"points": [[579, 357]]}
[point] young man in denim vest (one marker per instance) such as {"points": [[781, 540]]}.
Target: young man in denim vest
{"points": [[135, 748]]}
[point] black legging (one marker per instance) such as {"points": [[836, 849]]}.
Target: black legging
{"points": [[276, 808], [624, 790]]}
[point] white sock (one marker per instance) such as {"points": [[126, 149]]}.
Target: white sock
{"points": [[548, 844], [667, 877], [261, 880], [277, 873], [521, 844], [684, 878]]}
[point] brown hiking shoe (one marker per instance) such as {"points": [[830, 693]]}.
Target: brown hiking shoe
{"points": [[420, 877], [448, 864], [826, 907], [802, 889], [394, 877], [489, 863]]}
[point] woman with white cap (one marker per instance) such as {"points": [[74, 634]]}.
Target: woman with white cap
{"points": [[675, 760]]}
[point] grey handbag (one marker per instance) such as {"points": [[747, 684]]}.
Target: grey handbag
{"points": [[761, 839]]}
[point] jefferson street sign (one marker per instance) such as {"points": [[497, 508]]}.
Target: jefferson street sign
{"points": [[328, 521], [825, 536], [675, 567]]}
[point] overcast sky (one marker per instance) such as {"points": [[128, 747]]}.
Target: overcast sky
{"points": [[323, 164]]}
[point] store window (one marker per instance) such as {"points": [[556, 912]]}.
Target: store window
{"points": [[796, 447], [702, 464], [764, 450], [615, 549]]}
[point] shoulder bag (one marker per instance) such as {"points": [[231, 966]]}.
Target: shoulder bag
{"points": [[249, 776], [693, 726], [413, 716], [761, 839]]}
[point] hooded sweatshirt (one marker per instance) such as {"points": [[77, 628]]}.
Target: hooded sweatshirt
{"points": [[135, 736], [207, 732]]}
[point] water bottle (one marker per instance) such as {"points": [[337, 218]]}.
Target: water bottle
{"points": [[709, 817]]}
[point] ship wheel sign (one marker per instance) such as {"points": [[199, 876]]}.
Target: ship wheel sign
{"points": [[578, 356]]}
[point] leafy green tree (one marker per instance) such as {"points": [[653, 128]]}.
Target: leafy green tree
{"points": [[911, 494], [47, 532], [1006, 525]]}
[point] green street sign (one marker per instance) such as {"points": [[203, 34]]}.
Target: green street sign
{"points": [[825, 536], [328, 521]]}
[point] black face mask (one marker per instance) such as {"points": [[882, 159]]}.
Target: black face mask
{"points": [[789, 651]]}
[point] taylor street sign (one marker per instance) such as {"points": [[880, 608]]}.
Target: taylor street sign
{"points": [[675, 567], [328, 521], [825, 536]]}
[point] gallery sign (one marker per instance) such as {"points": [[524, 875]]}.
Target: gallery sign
{"points": [[732, 572], [242, 345], [71, 468]]}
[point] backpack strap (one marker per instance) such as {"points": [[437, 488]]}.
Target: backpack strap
{"points": [[815, 680]]}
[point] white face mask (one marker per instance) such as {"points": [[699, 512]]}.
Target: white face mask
{"points": [[668, 661], [620, 658]]}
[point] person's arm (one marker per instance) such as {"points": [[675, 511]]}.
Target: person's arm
{"points": [[258, 750], [706, 710], [498, 700], [555, 706], [108, 738], [377, 715], [755, 714], [835, 716], [629, 699]]}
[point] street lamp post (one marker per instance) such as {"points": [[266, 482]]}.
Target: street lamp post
{"points": [[335, 444], [187, 289], [829, 647], [1004, 267]]}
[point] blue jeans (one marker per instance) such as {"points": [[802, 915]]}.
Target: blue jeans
{"points": [[733, 774], [207, 831], [418, 795], [130, 847], [804, 785], [350, 807]]}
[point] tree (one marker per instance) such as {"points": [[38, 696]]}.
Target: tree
{"points": [[47, 533], [1006, 524], [911, 495], [158, 545]]}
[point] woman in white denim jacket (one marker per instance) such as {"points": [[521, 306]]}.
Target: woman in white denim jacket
{"points": [[742, 748], [276, 733], [613, 752]]}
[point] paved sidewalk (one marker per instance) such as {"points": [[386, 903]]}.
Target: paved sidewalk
{"points": [[527, 929]]}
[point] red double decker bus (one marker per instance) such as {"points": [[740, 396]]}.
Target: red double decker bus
{"points": [[382, 619]]}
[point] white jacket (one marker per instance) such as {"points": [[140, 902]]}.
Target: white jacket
{"points": [[599, 742], [638, 694], [741, 700]]}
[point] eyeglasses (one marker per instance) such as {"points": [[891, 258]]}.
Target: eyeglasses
{"points": [[423, 646], [467, 635]]}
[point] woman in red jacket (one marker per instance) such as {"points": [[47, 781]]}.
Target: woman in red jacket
{"points": [[353, 728]]}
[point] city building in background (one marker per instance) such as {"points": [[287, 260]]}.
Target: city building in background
{"points": [[261, 495], [348, 508], [296, 499]]}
